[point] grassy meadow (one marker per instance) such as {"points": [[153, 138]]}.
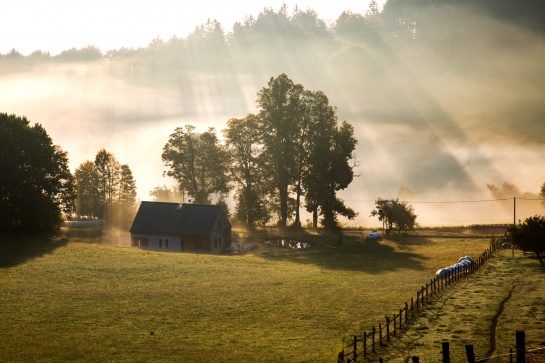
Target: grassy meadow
{"points": [[63, 299]]}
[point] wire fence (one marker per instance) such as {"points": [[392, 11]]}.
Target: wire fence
{"points": [[361, 345]]}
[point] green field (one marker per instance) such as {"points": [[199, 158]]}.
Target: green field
{"points": [[64, 300]]}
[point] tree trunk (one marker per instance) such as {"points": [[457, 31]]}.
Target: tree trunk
{"points": [[283, 206], [297, 222], [540, 258]]}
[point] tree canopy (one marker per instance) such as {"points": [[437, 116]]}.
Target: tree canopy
{"points": [[197, 162], [293, 149], [36, 186], [530, 236], [243, 146], [395, 213], [304, 151], [106, 189]]}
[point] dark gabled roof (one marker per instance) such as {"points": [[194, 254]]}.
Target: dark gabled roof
{"points": [[175, 219]]}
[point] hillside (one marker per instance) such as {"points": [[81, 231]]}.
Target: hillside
{"points": [[67, 300], [484, 310]]}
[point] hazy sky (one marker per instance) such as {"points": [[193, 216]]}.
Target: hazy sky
{"points": [[57, 25], [443, 132]]}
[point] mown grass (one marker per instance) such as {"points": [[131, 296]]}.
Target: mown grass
{"points": [[66, 301], [464, 314]]}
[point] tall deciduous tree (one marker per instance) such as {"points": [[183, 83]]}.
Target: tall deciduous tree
{"points": [[88, 200], [106, 189], [197, 162], [330, 163], [108, 171], [243, 145], [36, 186], [280, 120]]}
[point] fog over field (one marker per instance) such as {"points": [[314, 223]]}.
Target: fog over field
{"points": [[442, 121]]}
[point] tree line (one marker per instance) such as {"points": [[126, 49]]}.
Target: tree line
{"points": [[293, 152], [450, 27], [38, 191], [106, 190]]}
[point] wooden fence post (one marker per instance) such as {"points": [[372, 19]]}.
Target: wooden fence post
{"points": [[415, 359], [427, 292], [355, 348], [412, 307], [521, 347], [417, 300], [387, 328], [373, 332], [400, 318], [446, 352], [340, 356], [470, 353], [380, 334], [364, 344], [406, 313], [395, 325]]}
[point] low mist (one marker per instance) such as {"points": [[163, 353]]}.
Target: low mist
{"points": [[443, 123]]}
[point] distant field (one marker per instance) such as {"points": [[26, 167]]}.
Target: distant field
{"points": [[68, 301]]}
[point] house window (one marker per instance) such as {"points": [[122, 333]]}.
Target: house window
{"points": [[139, 242], [166, 243], [160, 243]]}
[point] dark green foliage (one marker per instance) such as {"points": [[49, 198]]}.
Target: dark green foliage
{"points": [[88, 200], [304, 151], [243, 146], [280, 118], [108, 173], [328, 168], [393, 213], [530, 236], [106, 189], [36, 186], [293, 146], [197, 163]]}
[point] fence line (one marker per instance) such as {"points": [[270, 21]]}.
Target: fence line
{"points": [[362, 345]]}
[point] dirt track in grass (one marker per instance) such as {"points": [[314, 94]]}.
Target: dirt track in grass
{"points": [[484, 310]]}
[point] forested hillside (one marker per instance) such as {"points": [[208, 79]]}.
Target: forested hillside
{"points": [[445, 96]]}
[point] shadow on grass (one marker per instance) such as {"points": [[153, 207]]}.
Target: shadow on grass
{"points": [[352, 252], [372, 263], [18, 249]]}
